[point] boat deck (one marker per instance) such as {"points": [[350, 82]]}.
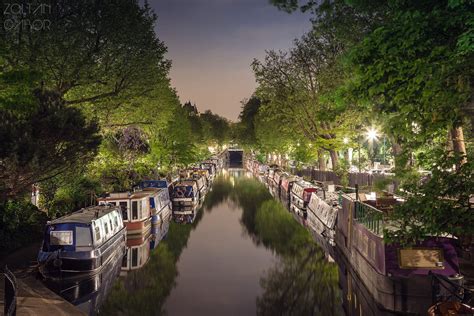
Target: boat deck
{"points": [[36, 299]]}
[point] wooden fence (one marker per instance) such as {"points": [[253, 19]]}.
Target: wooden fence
{"points": [[362, 179]]}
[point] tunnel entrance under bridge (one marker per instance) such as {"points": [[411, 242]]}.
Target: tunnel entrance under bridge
{"points": [[236, 158]]}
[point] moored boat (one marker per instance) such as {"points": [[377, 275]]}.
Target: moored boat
{"points": [[185, 194], [83, 241], [322, 216], [136, 209], [399, 278], [300, 196]]}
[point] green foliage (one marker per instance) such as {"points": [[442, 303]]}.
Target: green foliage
{"points": [[42, 142], [68, 193], [20, 223], [438, 205]]}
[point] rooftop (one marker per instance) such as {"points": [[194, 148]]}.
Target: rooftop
{"points": [[85, 215]]}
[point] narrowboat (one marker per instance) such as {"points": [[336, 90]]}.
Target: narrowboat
{"points": [[160, 203], [209, 166], [321, 217], [287, 181], [83, 241], [136, 210], [399, 278], [185, 193], [300, 196], [200, 183]]}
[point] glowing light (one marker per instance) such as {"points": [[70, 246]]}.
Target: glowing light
{"points": [[345, 140], [372, 134]]}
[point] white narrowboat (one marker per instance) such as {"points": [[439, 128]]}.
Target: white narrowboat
{"points": [[83, 241], [321, 217], [136, 210]]}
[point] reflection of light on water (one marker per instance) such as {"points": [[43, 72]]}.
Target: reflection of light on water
{"points": [[232, 181]]}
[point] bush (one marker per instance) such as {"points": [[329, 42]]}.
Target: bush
{"points": [[20, 223]]}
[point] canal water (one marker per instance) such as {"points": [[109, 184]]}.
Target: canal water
{"points": [[244, 254]]}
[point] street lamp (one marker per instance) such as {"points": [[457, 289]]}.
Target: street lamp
{"points": [[372, 134]]}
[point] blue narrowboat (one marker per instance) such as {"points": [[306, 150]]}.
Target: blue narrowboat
{"points": [[185, 193], [83, 241]]}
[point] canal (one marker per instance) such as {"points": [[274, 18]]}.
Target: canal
{"points": [[244, 254]]}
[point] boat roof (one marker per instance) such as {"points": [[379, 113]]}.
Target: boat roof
{"points": [[85, 215], [185, 182], [305, 184], [129, 195]]}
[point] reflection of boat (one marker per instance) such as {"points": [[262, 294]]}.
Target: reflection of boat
{"points": [[185, 215], [88, 291], [82, 241], [185, 193], [397, 277], [136, 209], [137, 254]]}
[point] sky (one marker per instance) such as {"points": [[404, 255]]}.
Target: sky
{"points": [[213, 42]]}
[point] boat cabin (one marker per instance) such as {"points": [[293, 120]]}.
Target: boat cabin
{"points": [[136, 209], [82, 241], [300, 196]]}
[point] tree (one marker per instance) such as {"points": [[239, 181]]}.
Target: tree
{"points": [[295, 86], [93, 52], [42, 143], [247, 118], [417, 70]]}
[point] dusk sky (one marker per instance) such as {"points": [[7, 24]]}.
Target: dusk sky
{"points": [[213, 42]]}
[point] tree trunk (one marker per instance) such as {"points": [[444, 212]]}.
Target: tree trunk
{"points": [[459, 147], [334, 158], [321, 160]]}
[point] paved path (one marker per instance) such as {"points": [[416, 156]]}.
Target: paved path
{"points": [[36, 299]]}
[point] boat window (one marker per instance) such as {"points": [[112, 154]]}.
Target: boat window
{"points": [[134, 257], [97, 233], [116, 221], [106, 228], [83, 237], [111, 226], [134, 210], [140, 209], [61, 238], [124, 208]]}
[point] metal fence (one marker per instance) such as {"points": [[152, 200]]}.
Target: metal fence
{"points": [[11, 288], [370, 217]]}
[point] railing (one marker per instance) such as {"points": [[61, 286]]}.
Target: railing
{"points": [[447, 289], [10, 293], [370, 217]]}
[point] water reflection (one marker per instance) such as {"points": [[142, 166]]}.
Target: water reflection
{"points": [[247, 243], [87, 291]]}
